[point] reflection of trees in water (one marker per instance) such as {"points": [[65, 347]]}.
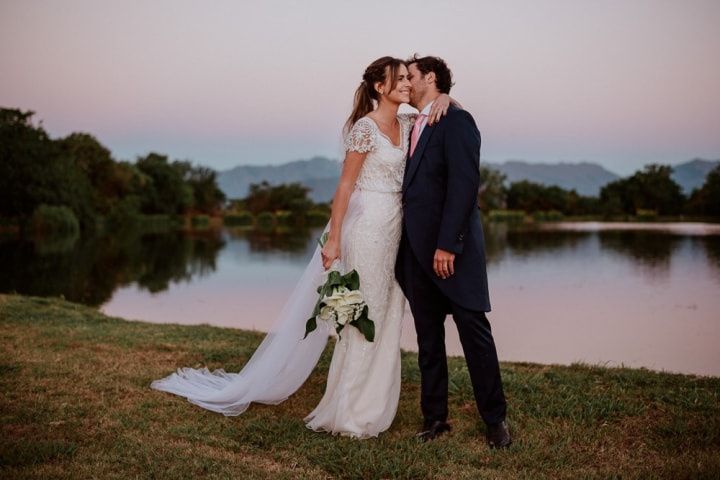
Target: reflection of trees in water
{"points": [[650, 249], [91, 270], [176, 257], [502, 239], [712, 250], [495, 241], [711, 246], [293, 240]]}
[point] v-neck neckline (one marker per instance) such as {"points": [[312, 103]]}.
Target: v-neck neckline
{"points": [[400, 125]]}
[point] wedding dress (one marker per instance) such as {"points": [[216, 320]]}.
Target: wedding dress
{"points": [[363, 384]]}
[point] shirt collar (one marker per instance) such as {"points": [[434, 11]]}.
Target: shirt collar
{"points": [[426, 110]]}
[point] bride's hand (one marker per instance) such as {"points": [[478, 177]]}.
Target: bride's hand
{"points": [[440, 107], [329, 253]]}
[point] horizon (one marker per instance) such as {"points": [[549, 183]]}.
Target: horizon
{"points": [[483, 161], [617, 84]]}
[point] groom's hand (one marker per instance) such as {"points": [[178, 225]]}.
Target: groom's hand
{"points": [[443, 263]]}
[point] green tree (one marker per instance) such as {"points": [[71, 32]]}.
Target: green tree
{"points": [[207, 196], [166, 191], [96, 164], [264, 197], [649, 189], [35, 170], [706, 199], [492, 194], [532, 197]]}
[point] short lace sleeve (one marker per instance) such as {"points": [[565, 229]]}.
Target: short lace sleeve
{"points": [[407, 118], [361, 137]]}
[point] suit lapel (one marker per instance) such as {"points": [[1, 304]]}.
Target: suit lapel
{"points": [[414, 160]]}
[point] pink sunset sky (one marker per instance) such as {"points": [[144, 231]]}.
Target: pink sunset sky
{"points": [[222, 83]]}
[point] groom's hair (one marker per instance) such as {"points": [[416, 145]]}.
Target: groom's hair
{"points": [[443, 75]]}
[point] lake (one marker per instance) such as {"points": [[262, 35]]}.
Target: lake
{"points": [[639, 295]]}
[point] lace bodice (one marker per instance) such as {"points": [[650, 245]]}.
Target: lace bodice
{"points": [[384, 165]]}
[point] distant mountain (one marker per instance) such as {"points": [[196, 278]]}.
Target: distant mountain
{"points": [[322, 189], [585, 178], [691, 175], [317, 173], [321, 175]]}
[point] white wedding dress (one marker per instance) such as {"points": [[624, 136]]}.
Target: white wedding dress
{"points": [[363, 384]]}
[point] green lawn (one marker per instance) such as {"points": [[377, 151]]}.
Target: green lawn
{"points": [[75, 403]]}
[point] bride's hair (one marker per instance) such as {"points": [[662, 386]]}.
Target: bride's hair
{"points": [[376, 72]]}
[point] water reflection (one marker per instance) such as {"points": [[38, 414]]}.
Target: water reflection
{"points": [[649, 250], [712, 248], [504, 240], [275, 240], [90, 270], [642, 298]]}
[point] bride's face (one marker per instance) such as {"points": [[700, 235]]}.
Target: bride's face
{"points": [[401, 92]]}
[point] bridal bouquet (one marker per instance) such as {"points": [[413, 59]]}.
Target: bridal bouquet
{"points": [[341, 303]]}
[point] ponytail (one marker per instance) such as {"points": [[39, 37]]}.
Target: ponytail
{"points": [[376, 72], [362, 105]]}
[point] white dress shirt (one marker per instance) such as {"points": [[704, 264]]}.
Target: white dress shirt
{"points": [[426, 112]]}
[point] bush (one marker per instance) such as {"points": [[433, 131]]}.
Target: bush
{"points": [[54, 219], [645, 215], [125, 214], [283, 217], [159, 223], [55, 244], [200, 221], [547, 216], [506, 215], [239, 219], [265, 219]]}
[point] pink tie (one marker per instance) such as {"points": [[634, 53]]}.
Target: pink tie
{"points": [[415, 135]]}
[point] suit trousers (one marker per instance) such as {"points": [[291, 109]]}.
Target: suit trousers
{"points": [[430, 307]]}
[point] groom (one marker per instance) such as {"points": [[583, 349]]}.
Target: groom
{"points": [[441, 260]]}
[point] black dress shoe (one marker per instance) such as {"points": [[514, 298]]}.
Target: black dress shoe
{"points": [[433, 429], [498, 436]]}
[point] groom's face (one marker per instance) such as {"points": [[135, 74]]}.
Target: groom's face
{"points": [[418, 84]]}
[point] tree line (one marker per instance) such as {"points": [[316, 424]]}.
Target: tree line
{"points": [[77, 176], [284, 204], [76, 182], [648, 192]]}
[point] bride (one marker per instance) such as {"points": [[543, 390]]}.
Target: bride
{"points": [[363, 384]]}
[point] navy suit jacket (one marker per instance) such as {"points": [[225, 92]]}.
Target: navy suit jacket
{"points": [[440, 189]]}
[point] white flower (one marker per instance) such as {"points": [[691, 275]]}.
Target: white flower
{"points": [[345, 314], [354, 296], [326, 314], [343, 296], [337, 297]]}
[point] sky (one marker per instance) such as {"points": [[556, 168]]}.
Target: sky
{"points": [[223, 83]]}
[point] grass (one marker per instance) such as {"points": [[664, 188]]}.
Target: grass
{"points": [[75, 403]]}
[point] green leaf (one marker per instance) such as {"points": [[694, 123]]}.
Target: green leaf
{"points": [[365, 325], [310, 326], [352, 280], [338, 329], [318, 305], [334, 279]]}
